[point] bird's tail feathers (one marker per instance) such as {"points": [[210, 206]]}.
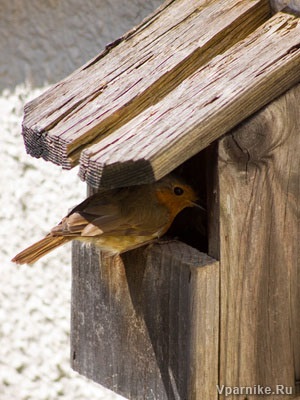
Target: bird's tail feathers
{"points": [[39, 249]]}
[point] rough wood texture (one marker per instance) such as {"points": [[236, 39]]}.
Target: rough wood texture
{"points": [[259, 172], [147, 327], [133, 73], [206, 105]]}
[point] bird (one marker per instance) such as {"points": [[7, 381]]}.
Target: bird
{"points": [[118, 220]]}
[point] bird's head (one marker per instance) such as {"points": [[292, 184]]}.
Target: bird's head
{"points": [[175, 194]]}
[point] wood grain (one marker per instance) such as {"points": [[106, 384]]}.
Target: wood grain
{"points": [[206, 105], [259, 175], [133, 73], [147, 325]]}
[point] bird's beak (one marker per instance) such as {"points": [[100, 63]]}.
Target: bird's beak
{"points": [[198, 206]]}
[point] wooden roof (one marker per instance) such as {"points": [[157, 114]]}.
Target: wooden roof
{"points": [[181, 79]]}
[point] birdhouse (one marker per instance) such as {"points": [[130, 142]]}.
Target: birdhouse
{"points": [[211, 90]]}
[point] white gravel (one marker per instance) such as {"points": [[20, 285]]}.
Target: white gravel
{"points": [[35, 301]]}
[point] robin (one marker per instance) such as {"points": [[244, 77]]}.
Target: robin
{"points": [[118, 220]]}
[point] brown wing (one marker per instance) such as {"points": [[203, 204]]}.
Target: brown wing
{"points": [[100, 214]]}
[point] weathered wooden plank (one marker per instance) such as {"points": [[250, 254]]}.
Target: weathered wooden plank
{"points": [[136, 71], [206, 105], [259, 173], [146, 325]]}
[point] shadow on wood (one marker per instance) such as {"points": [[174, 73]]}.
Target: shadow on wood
{"points": [[147, 327]]}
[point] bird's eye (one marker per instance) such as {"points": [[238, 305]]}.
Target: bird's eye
{"points": [[178, 191]]}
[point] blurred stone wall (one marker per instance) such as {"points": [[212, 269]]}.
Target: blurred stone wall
{"points": [[278, 5], [43, 41]]}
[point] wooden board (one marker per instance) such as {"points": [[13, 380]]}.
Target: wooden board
{"points": [[147, 325], [133, 73], [259, 175], [202, 108]]}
